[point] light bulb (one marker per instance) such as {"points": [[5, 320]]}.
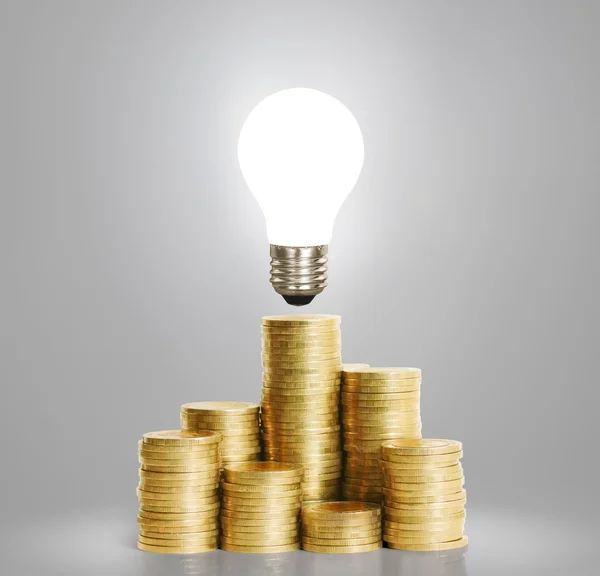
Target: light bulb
{"points": [[301, 152]]}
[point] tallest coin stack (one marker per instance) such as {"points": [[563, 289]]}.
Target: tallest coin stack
{"points": [[302, 366]]}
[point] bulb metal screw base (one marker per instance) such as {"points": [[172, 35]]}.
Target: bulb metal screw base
{"points": [[299, 273]]}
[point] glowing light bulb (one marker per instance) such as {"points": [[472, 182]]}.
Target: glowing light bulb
{"points": [[301, 152]]}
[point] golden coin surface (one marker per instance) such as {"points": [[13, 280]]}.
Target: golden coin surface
{"points": [[375, 373], [199, 519], [170, 449], [264, 508], [438, 475], [418, 530], [381, 386], [181, 438], [198, 478], [260, 549], [263, 515], [179, 516], [349, 367], [416, 498], [157, 531], [301, 320], [192, 540], [447, 487], [179, 496], [342, 533], [180, 535], [423, 521], [276, 344], [426, 507], [341, 541], [259, 499], [221, 408], [248, 539], [174, 468], [427, 538], [312, 355], [341, 549], [341, 510], [241, 526], [177, 458], [238, 473], [175, 509], [391, 460], [192, 549], [429, 547], [294, 385], [262, 488], [421, 447]]}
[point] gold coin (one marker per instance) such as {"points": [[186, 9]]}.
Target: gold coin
{"points": [[341, 549], [447, 487], [197, 517], [341, 510], [421, 447], [255, 508], [201, 449], [334, 363], [341, 541], [177, 459], [277, 413], [163, 466], [378, 417], [221, 408], [233, 524], [354, 367], [307, 456], [196, 478], [342, 533], [288, 514], [257, 526], [438, 475], [286, 488], [390, 460], [426, 528], [402, 468], [166, 527], [398, 514], [364, 384], [301, 320], [208, 492], [285, 393], [430, 547], [224, 428], [436, 538], [428, 521], [313, 355], [317, 346], [219, 418], [326, 373], [252, 497], [233, 452], [177, 499], [323, 496], [373, 373], [425, 507], [305, 430], [264, 535], [417, 498], [260, 539], [182, 541], [326, 402], [295, 340], [179, 535], [268, 332], [175, 509], [181, 438], [293, 385], [365, 436], [259, 499], [169, 532], [321, 485], [367, 405], [262, 471], [259, 549], [192, 549]]}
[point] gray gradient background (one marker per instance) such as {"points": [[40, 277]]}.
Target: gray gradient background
{"points": [[135, 261]]}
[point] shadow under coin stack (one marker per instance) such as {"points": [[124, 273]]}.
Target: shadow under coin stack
{"points": [[178, 492], [377, 404], [236, 421], [424, 495], [260, 511], [302, 365], [341, 527]]}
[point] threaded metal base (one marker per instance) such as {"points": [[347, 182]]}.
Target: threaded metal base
{"points": [[298, 273]]}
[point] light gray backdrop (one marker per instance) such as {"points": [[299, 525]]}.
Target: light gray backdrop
{"points": [[135, 261]]}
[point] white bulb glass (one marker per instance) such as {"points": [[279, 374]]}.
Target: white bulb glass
{"points": [[301, 152]]}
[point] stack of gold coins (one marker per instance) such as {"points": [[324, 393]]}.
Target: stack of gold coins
{"points": [[423, 494], [178, 492], [260, 511], [341, 527], [377, 404], [236, 421], [302, 366]]}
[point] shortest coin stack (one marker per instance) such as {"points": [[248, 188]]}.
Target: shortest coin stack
{"points": [[260, 510], [341, 527], [423, 494], [236, 421], [178, 492]]}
